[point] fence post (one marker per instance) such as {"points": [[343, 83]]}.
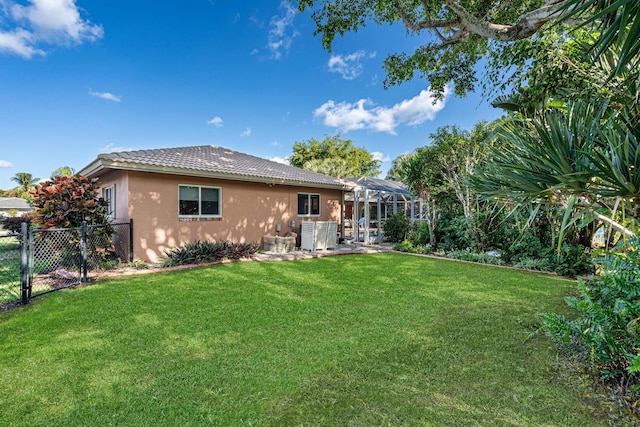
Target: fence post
{"points": [[24, 282], [131, 240], [83, 250]]}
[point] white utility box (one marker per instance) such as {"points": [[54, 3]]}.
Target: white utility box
{"points": [[318, 235]]}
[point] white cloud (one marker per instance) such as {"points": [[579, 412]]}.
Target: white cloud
{"points": [[282, 33], [112, 148], [247, 132], [377, 155], [364, 114], [5, 164], [44, 22], [284, 161], [275, 144], [216, 121], [105, 95], [19, 42], [349, 66]]}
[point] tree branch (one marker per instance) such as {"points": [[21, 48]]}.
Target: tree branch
{"points": [[427, 24], [613, 224], [466, 23]]}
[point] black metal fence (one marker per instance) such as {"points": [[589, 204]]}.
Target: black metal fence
{"points": [[10, 254], [34, 262]]}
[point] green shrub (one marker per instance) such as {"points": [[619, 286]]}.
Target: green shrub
{"points": [[466, 255], [198, 252], [396, 228], [407, 246], [541, 264], [606, 329], [419, 233], [453, 233], [572, 260], [525, 246]]}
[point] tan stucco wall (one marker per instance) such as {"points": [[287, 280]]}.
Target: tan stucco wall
{"points": [[249, 210], [121, 182]]}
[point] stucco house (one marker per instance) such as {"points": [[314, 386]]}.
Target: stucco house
{"points": [[14, 206], [176, 195]]}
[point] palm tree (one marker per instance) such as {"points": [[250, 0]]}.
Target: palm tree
{"points": [[620, 28], [583, 157], [26, 182]]}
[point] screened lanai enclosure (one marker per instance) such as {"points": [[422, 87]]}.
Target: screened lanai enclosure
{"points": [[370, 203]]}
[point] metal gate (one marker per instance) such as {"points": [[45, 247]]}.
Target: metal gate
{"points": [[35, 262], [10, 271]]}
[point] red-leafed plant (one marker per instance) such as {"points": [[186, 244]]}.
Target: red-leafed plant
{"points": [[64, 202], [67, 202]]}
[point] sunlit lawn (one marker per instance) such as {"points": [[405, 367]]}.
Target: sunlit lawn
{"points": [[366, 340], [9, 269]]}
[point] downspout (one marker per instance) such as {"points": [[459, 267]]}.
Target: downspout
{"points": [[356, 215], [379, 236], [342, 216], [367, 215], [395, 203]]}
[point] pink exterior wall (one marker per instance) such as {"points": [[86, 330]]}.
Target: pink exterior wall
{"points": [[120, 182], [249, 210]]}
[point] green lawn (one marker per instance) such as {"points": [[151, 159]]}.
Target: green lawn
{"points": [[362, 340], [9, 269]]}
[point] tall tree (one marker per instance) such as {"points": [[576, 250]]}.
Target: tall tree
{"points": [[456, 34], [65, 171], [439, 174], [420, 171], [26, 182], [334, 156], [459, 154], [395, 172]]}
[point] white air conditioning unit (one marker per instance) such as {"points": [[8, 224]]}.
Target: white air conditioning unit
{"points": [[318, 235]]}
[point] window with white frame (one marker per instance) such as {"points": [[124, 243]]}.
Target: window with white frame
{"points": [[109, 196], [198, 201], [308, 204]]}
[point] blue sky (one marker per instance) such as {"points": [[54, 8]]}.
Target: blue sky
{"points": [[78, 78]]}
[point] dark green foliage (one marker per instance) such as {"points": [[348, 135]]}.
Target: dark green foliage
{"points": [[453, 233], [450, 37], [334, 156], [608, 309], [396, 228], [572, 260], [620, 28], [419, 233], [198, 252], [14, 223]]}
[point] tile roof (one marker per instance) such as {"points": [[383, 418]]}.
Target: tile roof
{"points": [[9, 203], [219, 162]]}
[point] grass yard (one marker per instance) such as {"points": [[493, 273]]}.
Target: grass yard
{"points": [[9, 269], [361, 340]]}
